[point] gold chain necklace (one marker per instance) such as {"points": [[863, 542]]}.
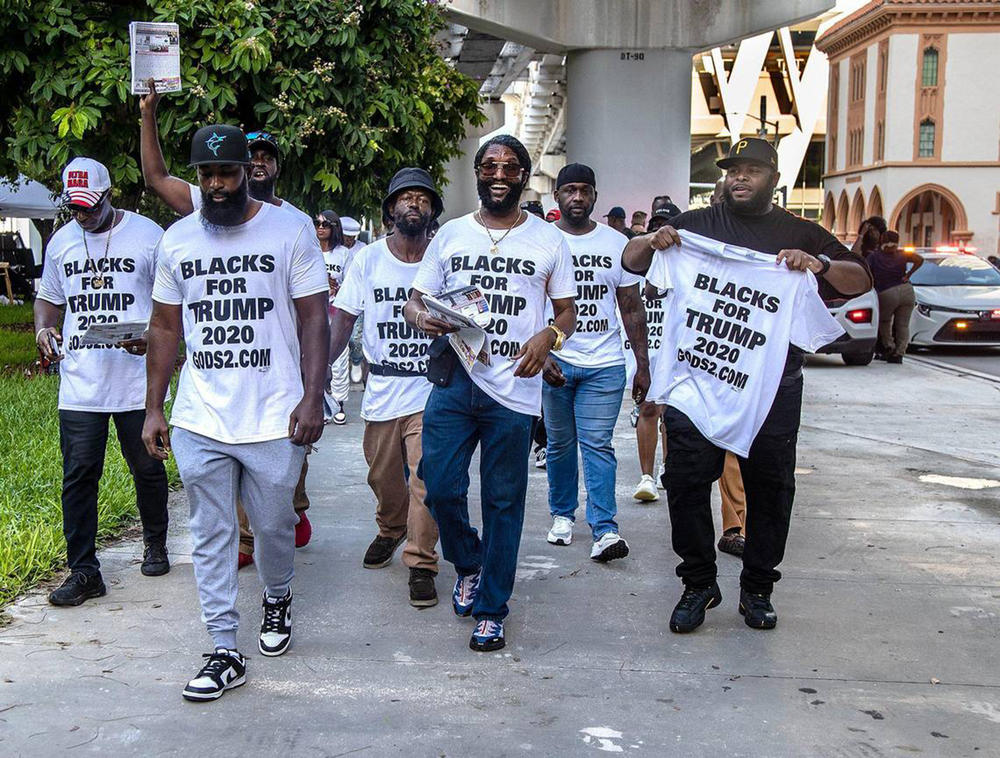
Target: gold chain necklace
{"points": [[495, 248], [97, 282]]}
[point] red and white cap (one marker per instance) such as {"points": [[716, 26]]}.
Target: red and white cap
{"points": [[84, 182]]}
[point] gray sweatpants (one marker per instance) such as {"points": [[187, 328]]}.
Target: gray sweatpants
{"points": [[264, 475]]}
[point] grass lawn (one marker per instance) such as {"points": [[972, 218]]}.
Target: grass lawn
{"points": [[31, 541], [16, 315]]}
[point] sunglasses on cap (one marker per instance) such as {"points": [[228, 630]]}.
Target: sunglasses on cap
{"points": [[258, 136]]}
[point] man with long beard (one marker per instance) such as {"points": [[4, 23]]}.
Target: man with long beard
{"points": [[745, 217], [378, 285], [240, 281], [519, 262], [185, 198]]}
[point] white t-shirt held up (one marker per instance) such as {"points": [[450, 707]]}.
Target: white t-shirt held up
{"points": [[378, 284], [236, 285], [597, 259], [730, 317], [101, 378], [532, 265]]}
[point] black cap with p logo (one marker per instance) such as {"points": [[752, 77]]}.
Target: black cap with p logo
{"points": [[750, 149]]}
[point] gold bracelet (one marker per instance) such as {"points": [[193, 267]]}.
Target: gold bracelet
{"points": [[560, 337]]}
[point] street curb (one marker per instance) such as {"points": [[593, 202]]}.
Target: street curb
{"points": [[952, 369]]}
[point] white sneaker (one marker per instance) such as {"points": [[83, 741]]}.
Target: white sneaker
{"points": [[609, 547], [340, 417], [645, 490], [659, 477], [561, 532]]}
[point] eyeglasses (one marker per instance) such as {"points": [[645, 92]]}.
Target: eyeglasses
{"points": [[489, 169]]}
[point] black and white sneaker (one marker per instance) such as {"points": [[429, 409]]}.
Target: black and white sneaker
{"points": [[276, 625], [224, 670]]}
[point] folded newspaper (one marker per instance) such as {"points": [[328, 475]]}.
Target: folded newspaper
{"points": [[156, 55], [112, 334], [467, 309]]}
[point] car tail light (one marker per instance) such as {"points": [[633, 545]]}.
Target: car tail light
{"points": [[860, 316], [995, 313]]}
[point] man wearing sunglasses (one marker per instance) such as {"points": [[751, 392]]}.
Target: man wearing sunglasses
{"points": [[99, 268], [185, 198], [520, 263]]}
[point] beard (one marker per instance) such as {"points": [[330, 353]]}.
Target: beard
{"points": [[261, 189], [509, 201], [412, 228], [228, 212], [755, 205]]}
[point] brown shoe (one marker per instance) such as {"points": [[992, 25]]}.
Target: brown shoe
{"points": [[732, 542], [380, 552], [422, 591]]}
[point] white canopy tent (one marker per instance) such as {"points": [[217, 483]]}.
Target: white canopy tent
{"points": [[26, 199]]}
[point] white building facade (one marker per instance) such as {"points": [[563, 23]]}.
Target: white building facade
{"points": [[913, 121]]}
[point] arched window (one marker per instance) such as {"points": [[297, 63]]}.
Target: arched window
{"points": [[929, 69], [925, 147]]}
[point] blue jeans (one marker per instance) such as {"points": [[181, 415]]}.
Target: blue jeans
{"points": [[584, 411], [456, 419]]}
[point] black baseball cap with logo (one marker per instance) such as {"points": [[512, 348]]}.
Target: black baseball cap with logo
{"points": [[219, 143], [750, 149]]}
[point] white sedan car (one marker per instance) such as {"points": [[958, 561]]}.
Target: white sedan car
{"points": [[958, 301]]}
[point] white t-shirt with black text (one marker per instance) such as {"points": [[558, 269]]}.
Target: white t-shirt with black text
{"points": [[597, 259], [655, 313], [242, 376], [338, 260], [101, 378], [378, 284], [731, 315], [533, 264]]}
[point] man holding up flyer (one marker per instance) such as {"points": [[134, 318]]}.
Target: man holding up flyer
{"points": [[519, 262], [99, 269], [240, 282], [378, 285]]}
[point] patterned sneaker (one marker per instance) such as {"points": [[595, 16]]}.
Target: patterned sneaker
{"points": [[276, 625], [609, 547], [340, 417], [464, 595], [224, 670], [488, 636], [561, 532]]}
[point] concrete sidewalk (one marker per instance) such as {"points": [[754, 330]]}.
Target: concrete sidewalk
{"points": [[886, 643]]}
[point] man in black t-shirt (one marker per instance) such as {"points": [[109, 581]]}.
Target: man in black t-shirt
{"points": [[745, 217]]}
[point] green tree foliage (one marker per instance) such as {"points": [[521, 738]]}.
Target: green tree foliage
{"points": [[352, 89]]}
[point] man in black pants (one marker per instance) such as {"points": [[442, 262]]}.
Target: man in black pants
{"points": [[745, 217], [99, 268]]}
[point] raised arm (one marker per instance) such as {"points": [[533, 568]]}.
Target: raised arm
{"points": [[638, 254], [305, 424], [163, 336], [633, 312], [173, 191]]}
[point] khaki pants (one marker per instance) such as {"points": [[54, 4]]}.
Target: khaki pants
{"points": [[391, 448], [734, 500], [895, 306], [300, 500]]}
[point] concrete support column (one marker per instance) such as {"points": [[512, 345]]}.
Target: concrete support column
{"points": [[629, 117], [459, 195]]}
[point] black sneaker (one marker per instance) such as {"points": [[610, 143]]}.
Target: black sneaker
{"points": [[224, 670], [757, 611], [77, 588], [380, 552], [154, 560], [689, 613], [276, 625], [422, 591]]}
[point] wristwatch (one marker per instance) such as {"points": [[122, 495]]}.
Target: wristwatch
{"points": [[560, 337], [825, 260]]}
